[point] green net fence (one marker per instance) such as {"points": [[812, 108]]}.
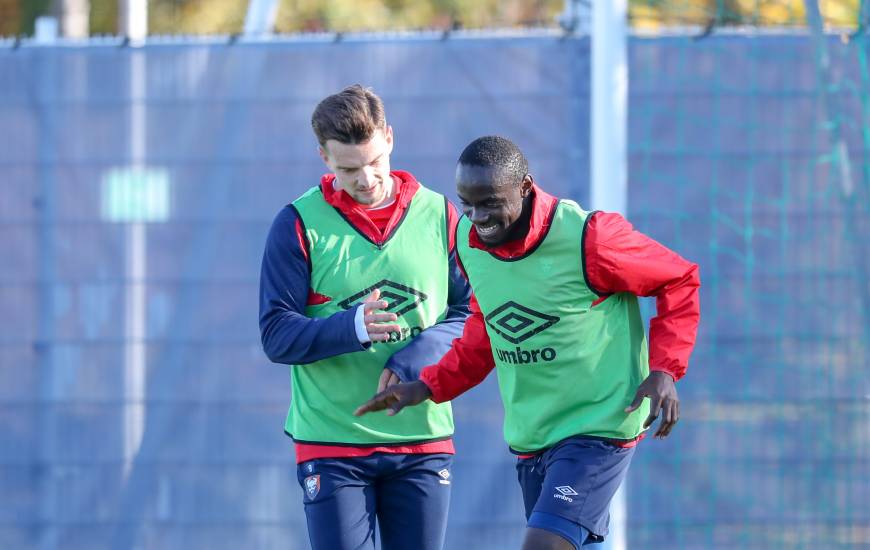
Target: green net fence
{"points": [[749, 154]]}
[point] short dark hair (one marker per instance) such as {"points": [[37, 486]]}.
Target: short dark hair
{"points": [[351, 116], [497, 152]]}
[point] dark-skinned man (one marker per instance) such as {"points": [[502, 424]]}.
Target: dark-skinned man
{"points": [[555, 311]]}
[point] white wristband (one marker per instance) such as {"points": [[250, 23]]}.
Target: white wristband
{"points": [[359, 322]]}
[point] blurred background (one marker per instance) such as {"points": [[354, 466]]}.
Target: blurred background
{"points": [[146, 147]]}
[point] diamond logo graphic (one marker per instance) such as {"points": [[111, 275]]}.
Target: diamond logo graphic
{"points": [[400, 298], [445, 476], [516, 323], [567, 490]]}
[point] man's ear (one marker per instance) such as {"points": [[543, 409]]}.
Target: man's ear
{"points": [[388, 137], [526, 185]]}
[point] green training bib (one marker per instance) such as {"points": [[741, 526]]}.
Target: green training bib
{"points": [[411, 269], [564, 368]]}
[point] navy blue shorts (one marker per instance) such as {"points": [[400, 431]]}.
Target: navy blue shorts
{"points": [[567, 489], [407, 495]]}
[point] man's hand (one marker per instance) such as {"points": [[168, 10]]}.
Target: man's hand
{"points": [[396, 398], [662, 392], [388, 379], [378, 325]]}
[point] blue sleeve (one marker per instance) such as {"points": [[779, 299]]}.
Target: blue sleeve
{"points": [[288, 335], [431, 344]]}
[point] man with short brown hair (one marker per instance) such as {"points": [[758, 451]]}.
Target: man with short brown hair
{"points": [[359, 288], [350, 116]]}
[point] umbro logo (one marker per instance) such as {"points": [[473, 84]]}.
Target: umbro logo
{"points": [[445, 476], [400, 298], [516, 323], [565, 492]]}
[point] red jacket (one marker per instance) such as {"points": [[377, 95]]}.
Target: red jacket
{"points": [[618, 259]]}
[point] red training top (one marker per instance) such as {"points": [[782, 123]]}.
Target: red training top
{"points": [[618, 259]]}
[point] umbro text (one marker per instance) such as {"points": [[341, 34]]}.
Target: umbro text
{"points": [[520, 356], [406, 333]]}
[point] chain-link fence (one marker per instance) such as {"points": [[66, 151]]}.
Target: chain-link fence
{"points": [[139, 411]]}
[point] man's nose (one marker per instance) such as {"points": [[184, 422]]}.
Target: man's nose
{"points": [[369, 177], [477, 215]]}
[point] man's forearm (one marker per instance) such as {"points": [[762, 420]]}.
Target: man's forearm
{"points": [[293, 339]]}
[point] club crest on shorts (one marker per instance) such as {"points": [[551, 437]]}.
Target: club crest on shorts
{"points": [[312, 485]]}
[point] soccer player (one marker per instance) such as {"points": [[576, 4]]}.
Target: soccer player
{"points": [[555, 311], [359, 288]]}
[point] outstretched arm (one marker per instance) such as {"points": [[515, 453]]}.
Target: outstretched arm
{"points": [[464, 366]]}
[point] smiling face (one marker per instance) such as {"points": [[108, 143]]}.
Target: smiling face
{"points": [[493, 202], [362, 170]]}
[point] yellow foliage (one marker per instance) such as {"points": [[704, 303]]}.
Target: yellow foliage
{"points": [[766, 13], [196, 16], [227, 16], [384, 15], [10, 17]]}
